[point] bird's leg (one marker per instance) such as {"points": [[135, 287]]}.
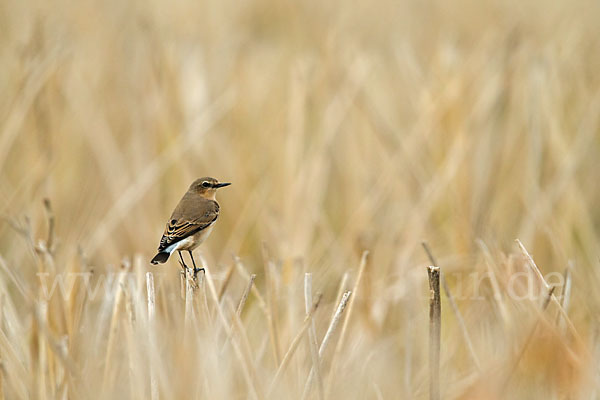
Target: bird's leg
{"points": [[183, 265], [196, 270]]}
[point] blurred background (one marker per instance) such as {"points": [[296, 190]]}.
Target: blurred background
{"points": [[344, 127]]}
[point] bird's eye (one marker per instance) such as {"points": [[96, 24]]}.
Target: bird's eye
{"points": [[205, 184]]}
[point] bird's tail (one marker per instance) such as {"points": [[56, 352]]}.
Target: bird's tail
{"points": [[161, 257]]}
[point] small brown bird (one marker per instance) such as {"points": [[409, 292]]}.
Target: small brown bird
{"points": [[191, 221]]}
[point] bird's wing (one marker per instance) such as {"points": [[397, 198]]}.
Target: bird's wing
{"points": [[189, 218]]}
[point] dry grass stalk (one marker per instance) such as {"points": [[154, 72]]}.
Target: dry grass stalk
{"points": [[293, 346], [435, 329], [191, 285], [50, 218], [60, 351], [112, 331], [246, 275], [2, 372], [334, 322], [182, 284], [246, 350], [528, 339], [341, 291], [455, 310], [253, 384], [245, 295], [18, 375], [553, 298], [2, 375], [43, 361], [151, 297], [565, 296], [340, 343], [312, 335], [151, 325], [262, 303], [270, 285], [498, 297], [14, 279], [208, 320], [132, 359], [326, 339]]}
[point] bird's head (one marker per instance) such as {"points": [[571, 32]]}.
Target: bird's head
{"points": [[207, 186]]}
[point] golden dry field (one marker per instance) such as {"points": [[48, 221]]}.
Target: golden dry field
{"points": [[352, 132]]}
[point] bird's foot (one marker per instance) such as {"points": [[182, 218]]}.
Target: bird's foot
{"points": [[196, 270]]}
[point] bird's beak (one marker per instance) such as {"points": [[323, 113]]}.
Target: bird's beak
{"points": [[220, 185]]}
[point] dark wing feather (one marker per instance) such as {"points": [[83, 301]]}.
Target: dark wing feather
{"points": [[188, 219]]}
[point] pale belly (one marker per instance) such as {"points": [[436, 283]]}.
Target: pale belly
{"points": [[191, 242]]}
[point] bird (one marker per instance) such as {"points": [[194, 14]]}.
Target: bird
{"points": [[191, 222]]}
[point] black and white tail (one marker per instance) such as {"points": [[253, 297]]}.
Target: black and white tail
{"points": [[160, 258]]}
